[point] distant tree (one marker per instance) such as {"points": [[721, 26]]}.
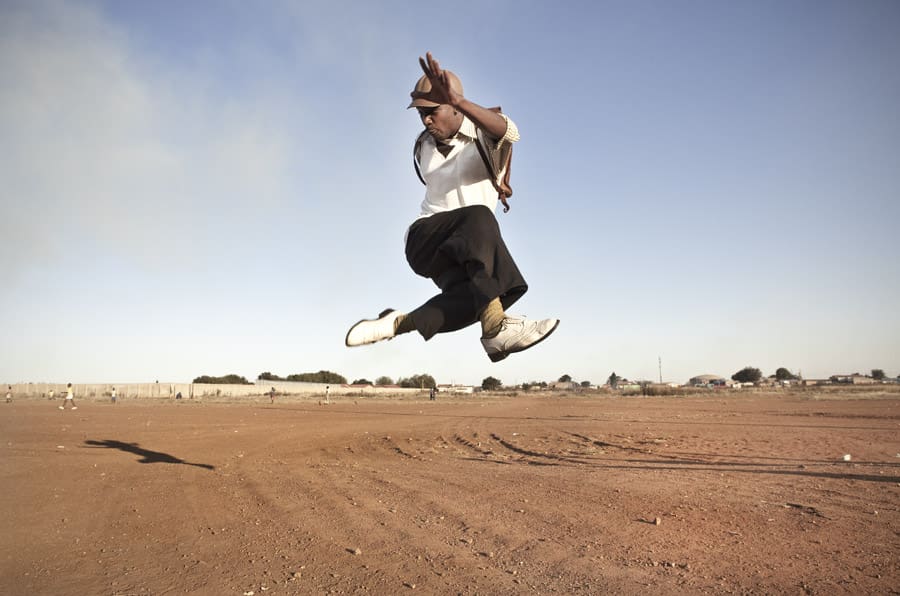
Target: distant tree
{"points": [[422, 381], [747, 374], [491, 384], [362, 382], [226, 380], [565, 379], [783, 374], [267, 376], [585, 383], [384, 381], [613, 380], [526, 386], [877, 374], [323, 376]]}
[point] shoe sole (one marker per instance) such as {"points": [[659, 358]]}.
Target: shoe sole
{"points": [[498, 356], [347, 343]]}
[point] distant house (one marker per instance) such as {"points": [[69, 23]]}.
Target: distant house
{"points": [[854, 379], [464, 389], [564, 385], [707, 381]]}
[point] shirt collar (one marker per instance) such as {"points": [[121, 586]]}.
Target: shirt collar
{"points": [[467, 128], [466, 132]]}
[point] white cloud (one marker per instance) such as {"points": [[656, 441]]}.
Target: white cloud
{"points": [[101, 146]]}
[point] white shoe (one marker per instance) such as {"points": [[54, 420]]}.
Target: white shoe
{"points": [[61, 408], [74, 407], [369, 331], [517, 334]]}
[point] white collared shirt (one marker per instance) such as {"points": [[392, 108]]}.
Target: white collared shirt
{"points": [[460, 179]]}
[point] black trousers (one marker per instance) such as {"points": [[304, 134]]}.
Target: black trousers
{"points": [[463, 253]]}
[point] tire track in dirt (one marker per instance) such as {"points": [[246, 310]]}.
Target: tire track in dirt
{"points": [[374, 514], [463, 536], [522, 556]]}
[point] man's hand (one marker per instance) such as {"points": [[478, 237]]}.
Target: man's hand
{"points": [[446, 88], [442, 89]]}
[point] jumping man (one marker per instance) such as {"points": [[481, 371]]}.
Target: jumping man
{"points": [[462, 156]]}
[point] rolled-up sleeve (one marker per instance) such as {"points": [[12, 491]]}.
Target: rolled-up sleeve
{"points": [[512, 131]]}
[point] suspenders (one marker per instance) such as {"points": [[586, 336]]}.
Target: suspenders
{"points": [[504, 190]]}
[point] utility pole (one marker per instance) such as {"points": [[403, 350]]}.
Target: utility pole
{"points": [[660, 369]]}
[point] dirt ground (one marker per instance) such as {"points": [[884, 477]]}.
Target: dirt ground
{"points": [[726, 493]]}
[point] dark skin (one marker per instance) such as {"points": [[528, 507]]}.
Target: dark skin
{"points": [[443, 121]]}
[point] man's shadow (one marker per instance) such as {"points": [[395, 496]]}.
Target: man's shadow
{"points": [[149, 457]]}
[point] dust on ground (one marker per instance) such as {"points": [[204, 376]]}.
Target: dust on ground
{"points": [[724, 493]]}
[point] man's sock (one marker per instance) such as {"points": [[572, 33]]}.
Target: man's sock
{"points": [[404, 324], [491, 317]]}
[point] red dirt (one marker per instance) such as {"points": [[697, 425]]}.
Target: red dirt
{"points": [[471, 496]]}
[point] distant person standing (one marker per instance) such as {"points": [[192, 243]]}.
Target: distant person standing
{"points": [[9, 394], [432, 393], [327, 391], [52, 395], [70, 398], [113, 397], [272, 395]]}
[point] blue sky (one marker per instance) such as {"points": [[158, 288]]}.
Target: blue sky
{"points": [[223, 187]]}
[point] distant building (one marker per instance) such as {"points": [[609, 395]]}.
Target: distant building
{"points": [[564, 385], [854, 379], [707, 381], [464, 389]]}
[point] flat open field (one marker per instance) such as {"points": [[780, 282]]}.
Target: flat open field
{"points": [[730, 493]]}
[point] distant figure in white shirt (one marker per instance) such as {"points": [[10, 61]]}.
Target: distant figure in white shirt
{"points": [[463, 157], [70, 398]]}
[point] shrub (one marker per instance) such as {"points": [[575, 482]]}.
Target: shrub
{"points": [[226, 380]]}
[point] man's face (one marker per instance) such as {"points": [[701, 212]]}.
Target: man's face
{"points": [[441, 122]]}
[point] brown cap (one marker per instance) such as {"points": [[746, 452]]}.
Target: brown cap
{"points": [[423, 85]]}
